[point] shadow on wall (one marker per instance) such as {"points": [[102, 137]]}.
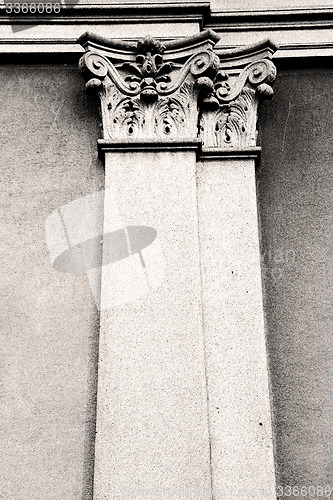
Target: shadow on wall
{"points": [[81, 239]]}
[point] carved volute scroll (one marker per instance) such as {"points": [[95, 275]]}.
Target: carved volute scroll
{"points": [[182, 89]]}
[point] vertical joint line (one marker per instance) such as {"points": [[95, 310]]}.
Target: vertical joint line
{"points": [[204, 343]]}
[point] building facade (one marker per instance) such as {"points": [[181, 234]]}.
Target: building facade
{"points": [[166, 239]]}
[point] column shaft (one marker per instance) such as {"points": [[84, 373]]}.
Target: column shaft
{"points": [[152, 431], [237, 372]]}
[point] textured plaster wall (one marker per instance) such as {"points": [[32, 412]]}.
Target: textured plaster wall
{"points": [[296, 204], [48, 320], [49, 323]]}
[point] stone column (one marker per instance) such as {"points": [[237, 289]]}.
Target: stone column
{"points": [[237, 371], [183, 400]]}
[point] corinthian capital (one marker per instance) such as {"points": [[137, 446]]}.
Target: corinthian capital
{"points": [[183, 89]]}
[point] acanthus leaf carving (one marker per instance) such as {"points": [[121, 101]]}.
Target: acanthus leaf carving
{"points": [[163, 91], [174, 115], [128, 118], [234, 123], [132, 118]]}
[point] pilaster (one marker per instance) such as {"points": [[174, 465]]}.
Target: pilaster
{"points": [[183, 396]]}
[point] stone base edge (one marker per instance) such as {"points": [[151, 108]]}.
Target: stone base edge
{"points": [[156, 145]]}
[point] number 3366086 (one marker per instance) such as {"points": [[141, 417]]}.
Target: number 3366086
{"points": [[33, 8], [304, 491]]}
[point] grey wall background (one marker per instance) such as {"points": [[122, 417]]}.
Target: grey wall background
{"points": [[49, 322], [295, 191]]}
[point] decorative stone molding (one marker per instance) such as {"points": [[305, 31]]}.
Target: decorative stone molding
{"points": [[184, 115], [181, 89], [233, 123]]}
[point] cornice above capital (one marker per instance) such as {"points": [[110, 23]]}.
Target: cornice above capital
{"points": [[179, 89]]}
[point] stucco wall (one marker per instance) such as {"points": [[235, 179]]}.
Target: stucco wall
{"points": [[295, 186], [49, 321]]}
